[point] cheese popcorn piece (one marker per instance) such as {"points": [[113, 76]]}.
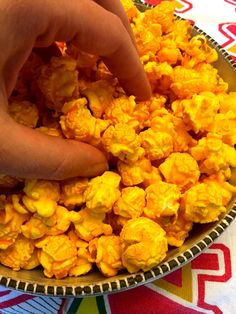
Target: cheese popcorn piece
{"points": [[177, 229], [24, 112], [228, 102], [100, 96], [213, 155], [157, 145], [169, 52], [121, 110], [180, 169], [162, 200], [153, 177], [122, 141], [89, 225], [102, 192], [225, 125], [197, 50], [41, 196], [10, 224], [107, 251], [34, 228], [187, 82], [72, 192], [79, 124], [203, 203], [159, 75], [144, 244], [134, 173], [57, 255], [199, 112], [33, 262], [130, 9], [131, 202], [183, 141], [50, 131], [58, 81], [17, 255]]}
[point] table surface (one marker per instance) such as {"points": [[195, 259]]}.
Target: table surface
{"points": [[207, 284]]}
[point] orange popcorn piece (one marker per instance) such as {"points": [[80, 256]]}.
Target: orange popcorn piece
{"points": [[79, 124], [122, 141], [89, 225], [18, 255], [134, 173], [41, 196], [57, 255], [162, 200], [131, 202], [24, 112], [157, 145], [58, 81], [204, 202], [199, 112], [130, 9], [102, 192], [72, 192], [176, 228], [8, 181], [144, 244], [100, 96], [180, 169], [107, 253], [213, 155], [228, 102]]}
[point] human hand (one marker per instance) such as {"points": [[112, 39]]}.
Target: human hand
{"points": [[98, 27]]}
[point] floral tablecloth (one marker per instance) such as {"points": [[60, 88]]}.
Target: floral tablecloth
{"points": [[208, 283]]}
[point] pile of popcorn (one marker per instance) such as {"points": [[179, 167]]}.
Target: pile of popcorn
{"points": [[170, 157]]}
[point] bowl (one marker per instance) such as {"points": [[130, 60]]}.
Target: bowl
{"points": [[94, 283]]}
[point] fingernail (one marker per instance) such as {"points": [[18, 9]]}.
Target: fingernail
{"points": [[95, 170]]}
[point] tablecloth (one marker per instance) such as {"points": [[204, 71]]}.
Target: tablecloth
{"points": [[208, 283]]}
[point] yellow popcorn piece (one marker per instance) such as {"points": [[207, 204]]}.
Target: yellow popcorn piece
{"points": [[130, 9], [183, 141], [100, 96], [121, 110], [228, 102], [33, 262], [58, 255], [24, 112], [34, 228], [72, 192], [79, 124], [122, 141], [134, 173], [89, 225], [107, 251], [151, 178], [162, 200], [169, 52], [197, 50], [18, 254], [180, 169], [102, 192], [131, 202], [50, 131], [204, 202], [10, 224], [58, 81], [187, 82], [177, 229], [83, 264], [144, 244], [157, 145], [224, 124], [199, 112], [213, 155], [159, 75], [41, 196]]}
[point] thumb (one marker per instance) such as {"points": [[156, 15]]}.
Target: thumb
{"points": [[25, 152]]}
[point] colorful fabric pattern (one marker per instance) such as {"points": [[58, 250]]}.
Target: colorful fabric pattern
{"points": [[207, 284]]}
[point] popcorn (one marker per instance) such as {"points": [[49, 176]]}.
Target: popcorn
{"points": [[122, 141], [144, 244], [162, 200], [107, 251], [102, 192], [57, 255], [72, 192], [181, 169], [58, 81], [89, 225], [24, 112], [131, 202]]}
